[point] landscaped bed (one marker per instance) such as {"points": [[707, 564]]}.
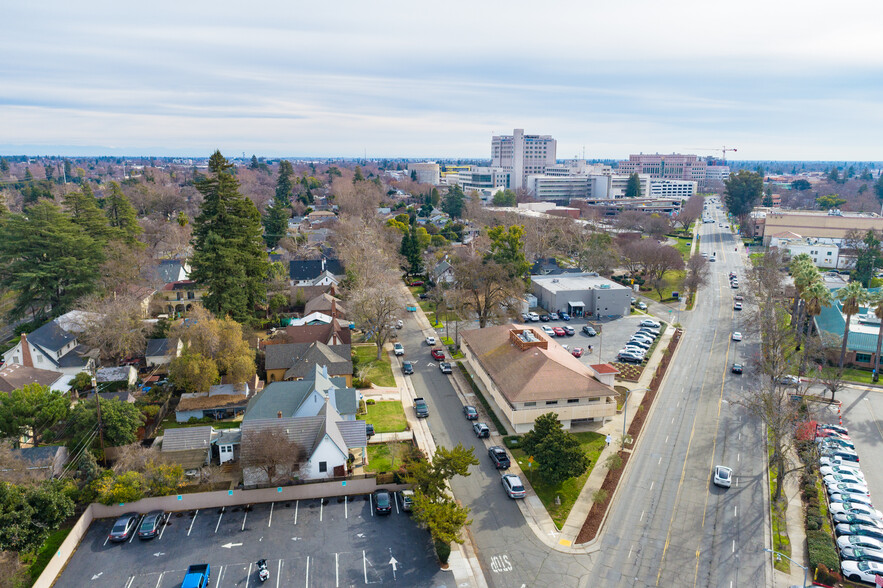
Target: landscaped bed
{"points": [[386, 416]]}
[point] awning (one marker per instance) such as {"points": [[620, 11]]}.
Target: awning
{"points": [[576, 305]]}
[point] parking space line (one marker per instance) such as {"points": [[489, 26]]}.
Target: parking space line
{"points": [[164, 525], [244, 518], [129, 583], [248, 575], [106, 539], [193, 521], [336, 571], [278, 573], [270, 522], [371, 503], [345, 508], [220, 516], [220, 575], [296, 505], [134, 529], [321, 509], [395, 499], [308, 573], [159, 581], [365, 564]]}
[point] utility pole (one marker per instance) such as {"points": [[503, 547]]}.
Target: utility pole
{"points": [[98, 409]]}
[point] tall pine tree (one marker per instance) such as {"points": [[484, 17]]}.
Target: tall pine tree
{"points": [[82, 206], [229, 257], [278, 212], [121, 214]]}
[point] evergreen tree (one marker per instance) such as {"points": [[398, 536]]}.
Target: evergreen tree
{"points": [[82, 206], [47, 260], [410, 250], [29, 177], [121, 214], [878, 187], [358, 177], [4, 165], [454, 202], [67, 169], [254, 163], [633, 187], [278, 212], [229, 257]]}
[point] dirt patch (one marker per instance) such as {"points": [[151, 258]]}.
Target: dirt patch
{"points": [[628, 372]]}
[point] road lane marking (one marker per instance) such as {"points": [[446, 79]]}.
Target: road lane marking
{"points": [[642, 516], [371, 503], [307, 584], [651, 485], [336, 571], [660, 461], [135, 529], [165, 524], [196, 514], [321, 509], [278, 573], [736, 512], [270, 522], [244, 518], [346, 512], [365, 566], [296, 504], [666, 439], [248, 576], [220, 516], [159, 580], [129, 583], [396, 503], [220, 575], [629, 556]]}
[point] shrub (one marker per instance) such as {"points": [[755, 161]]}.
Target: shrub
{"points": [[443, 551], [822, 550], [370, 401], [600, 496], [512, 441], [826, 576]]}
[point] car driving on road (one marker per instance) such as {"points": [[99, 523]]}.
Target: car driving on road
{"points": [[398, 349], [445, 367], [723, 476]]}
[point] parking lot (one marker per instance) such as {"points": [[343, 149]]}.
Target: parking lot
{"points": [[863, 415], [330, 542]]}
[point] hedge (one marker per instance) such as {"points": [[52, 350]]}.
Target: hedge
{"points": [[822, 550], [487, 407]]}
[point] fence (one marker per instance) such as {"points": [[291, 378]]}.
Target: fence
{"points": [[349, 487]]}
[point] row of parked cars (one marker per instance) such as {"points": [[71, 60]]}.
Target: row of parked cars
{"points": [[857, 524], [566, 330], [636, 347], [533, 317], [512, 484]]}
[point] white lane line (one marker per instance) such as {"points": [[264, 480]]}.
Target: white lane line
{"points": [[321, 509], [651, 485], [196, 514], [129, 583], [278, 573], [336, 571], [395, 499], [734, 546], [660, 460], [666, 439], [270, 522], [244, 518], [165, 524], [248, 576], [106, 539], [371, 504], [135, 528], [642, 516], [220, 516], [738, 457], [629, 556], [672, 420], [346, 511], [736, 511], [220, 575], [365, 563], [308, 572], [159, 580], [296, 505]]}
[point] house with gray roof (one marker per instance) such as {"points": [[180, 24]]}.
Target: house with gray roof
{"points": [[191, 447], [162, 351], [53, 347], [168, 271], [297, 361], [442, 272], [48, 459], [302, 398], [15, 377], [315, 272]]}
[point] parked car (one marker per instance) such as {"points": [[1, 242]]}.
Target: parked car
{"points": [[848, 489], [534, 317], [545, 318], [635, 349], [638, 343], [822, 433], [626, 357], [737, 368], [856, 519], [513, 486], [123, 527], [398, 349], [843, 479], [855, 508], [369, 430], [407, 368], [564, 316], [568, 330], [862, 571], [548, 330], [737, 298], [641, 305], [649, 323], [734, 285], [407, 500], [437, 354], [400, 323], [445, 367], [481, 430], [559, 332], [151, 524], [470, 412], [591, 332], [850, 498], [737, 336], [835, 442], [553, 316], [858, 541], [499, 457], [842, 452], [430, 341], [654, 333], [577, 352], [838, 428], [642, 337], [866, 530], [831, 460], [416, 283], [382, 502], [723, 476], [525, 318], [842, 469], [862, 554], [789, 380]]}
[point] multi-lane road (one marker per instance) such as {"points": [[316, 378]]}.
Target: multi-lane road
{"points": [[669, 525]]}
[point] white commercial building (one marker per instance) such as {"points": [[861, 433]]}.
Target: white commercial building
{"points": [[825, 255], [427, 172], [672, 188], [483, 178], [561, 189], [523, 155]]}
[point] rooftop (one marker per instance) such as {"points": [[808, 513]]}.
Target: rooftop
{"points": [[581, 281]]}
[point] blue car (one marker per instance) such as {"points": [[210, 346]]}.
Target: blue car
{"points": [[564, 316]]}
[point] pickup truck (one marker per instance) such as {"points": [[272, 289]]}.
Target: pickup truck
{"points": [[420, 407], [198, 576]]}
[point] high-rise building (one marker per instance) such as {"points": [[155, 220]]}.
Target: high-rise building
{"points": [[427, 173], [523, 155], [675, 166]]}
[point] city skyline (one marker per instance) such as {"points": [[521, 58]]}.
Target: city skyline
{"points": [[351, 80]]}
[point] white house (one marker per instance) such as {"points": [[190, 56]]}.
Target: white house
{"points": [[162, 351], [53, 347], [824, 253]]}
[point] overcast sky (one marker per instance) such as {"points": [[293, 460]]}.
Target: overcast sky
{"points": [[776, 79]]}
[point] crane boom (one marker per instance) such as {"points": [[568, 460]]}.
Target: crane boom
{"points": [[723, 150]]}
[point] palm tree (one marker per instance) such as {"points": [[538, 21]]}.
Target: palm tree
{"points": [[851, 298], [815, 296], [804, 273], [875, 301]]}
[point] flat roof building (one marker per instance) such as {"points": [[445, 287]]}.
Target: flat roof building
{"points": [[523, 155], [582, 295]]}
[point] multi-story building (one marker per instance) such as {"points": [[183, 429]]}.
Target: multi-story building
{"points": [[832, 226], [427, 172], [672, 188], [523, 155], [675, 166], [484, 178], [558, 189]]}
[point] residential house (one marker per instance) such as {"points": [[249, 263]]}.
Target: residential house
{"points": [[121, 376], [48, 459], [314, 318], [162, 351], [296, 361], [442, 272], [549, 266], [334, 333], [300, 295], [326, 304], [528, 375], [169, 271], [315, 272], [190, 447], [15, 377], [300, 398], [53, 347], [180, 297], [222, 401]]}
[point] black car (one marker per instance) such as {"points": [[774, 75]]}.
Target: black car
{"points": [[151, 524], [499, 456], [545, 318], [123, 527], [481, 430], [589, 331], [407, 368], [382, 502], [470, 412], [737, 368], [369, 430]]}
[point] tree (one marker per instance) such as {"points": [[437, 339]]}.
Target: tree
{"points": [[193, 372], [82, 206], [597, 253], [834, 175], [443, 517], [507, 249], [47, 260], [373, 307], [557, 451], [875, 301], [120, 421], [851, 298], [125, 487], [505, 198], [743, 192], [271, 451], [31, 411], [454, 202], [697, 274], [767, 200], [121, 215], [878, 187], [279, 211], [12, 571], [486, 285], [229, 257], [690, 211], [410, 251], [31, 513], [114, 326], [254, 164], [868, 258], [829, 201], [4, 165], [222, 340], [17, 470], [162, 478], [633, 187]]}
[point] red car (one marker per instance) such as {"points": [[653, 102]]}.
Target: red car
{"points": [[416, 283], [559, 332], [577, 352], [438, 354]]}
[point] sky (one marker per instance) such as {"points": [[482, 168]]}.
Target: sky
{"points": [[775, 79]]}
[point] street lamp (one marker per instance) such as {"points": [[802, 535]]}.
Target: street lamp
{"points": [[625, 409], [781, 555]]}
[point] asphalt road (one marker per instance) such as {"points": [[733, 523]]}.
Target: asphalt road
{"points": [[670, 526]]}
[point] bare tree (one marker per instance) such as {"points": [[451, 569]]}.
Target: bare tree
{"points": [[113, 325], [690, 211], [697, 274], [357, 199], [373, 307], [271, 451], [16, 470], [12, 571], [486, 286]]}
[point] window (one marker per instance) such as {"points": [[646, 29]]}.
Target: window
{"points": [[551, 402], [39, 358], [863, 357], [323, 466], [528, 404], [190, 295], [572, 400]]}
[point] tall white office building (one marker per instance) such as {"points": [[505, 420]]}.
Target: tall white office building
{"points": [[523, 155]]}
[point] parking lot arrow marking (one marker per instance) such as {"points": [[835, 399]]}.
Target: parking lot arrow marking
{"points": [[295, 538], [96, 576], [360, 535], [229, 545], [393, 562], [158, 554]]}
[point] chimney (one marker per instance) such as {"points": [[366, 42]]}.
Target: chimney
{"points": [[325, 371], [323, 264], [333, 308], [26, 359], [279, 415]]}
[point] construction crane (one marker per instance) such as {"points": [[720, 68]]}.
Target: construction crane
{"points": [[723, 150]]}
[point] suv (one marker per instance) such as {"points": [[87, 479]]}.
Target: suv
{"points": [[499, 456], [123, 527], [407, 368], [513, 486], [398, 349], [445, 367], [481, 430]]}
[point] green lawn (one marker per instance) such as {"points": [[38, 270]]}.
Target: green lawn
{"points": [[380, 372], [568, 491], [858, 376], [47, 552], [387, 417], [675, 284], [170, 423], [683, 245], [781, 541], [385, 457]]}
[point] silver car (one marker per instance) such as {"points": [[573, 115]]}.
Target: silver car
{"points": [[723, 476], [513, 486]]}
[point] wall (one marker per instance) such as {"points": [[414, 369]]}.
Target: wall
{"points": [[328, 452]]}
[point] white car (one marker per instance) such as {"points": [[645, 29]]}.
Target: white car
{"points": [[859, 541], [862, 571], [649, 323], [398, 349], [430, 340], [855, 508], [548, 330], [831, 479], [723, 476], [842, 471], [513, 486], [737, 336], [849, 489], [862, 498]]}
